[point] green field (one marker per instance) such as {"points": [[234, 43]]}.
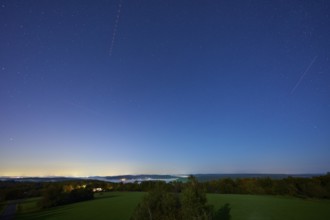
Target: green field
{"points": [[120, 205], [272, 207], [107, 206]]}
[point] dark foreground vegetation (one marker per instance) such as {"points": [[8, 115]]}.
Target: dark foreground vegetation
{"points": [[190, 204], [64, 192], [316, 187], [55, 196]]}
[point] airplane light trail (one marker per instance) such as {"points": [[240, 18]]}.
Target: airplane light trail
{"points": [[303, 75]]}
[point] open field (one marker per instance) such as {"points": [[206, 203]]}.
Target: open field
{"points": [[272, 207], [120, 205], [107, 206]]}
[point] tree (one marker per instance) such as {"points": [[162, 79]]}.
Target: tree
{"points": [[52, 196], [223, 213], [194, 201], [159, 205]]}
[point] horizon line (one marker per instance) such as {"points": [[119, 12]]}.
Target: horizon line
{"points": [[188, 174]]}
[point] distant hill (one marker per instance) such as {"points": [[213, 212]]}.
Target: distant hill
{"points": [[208, 177], [155, 177]]}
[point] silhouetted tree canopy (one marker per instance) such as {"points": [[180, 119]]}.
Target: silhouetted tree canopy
{"points": [[189, 205]]}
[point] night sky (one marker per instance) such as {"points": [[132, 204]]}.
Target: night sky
{"points": [[164, 86]]}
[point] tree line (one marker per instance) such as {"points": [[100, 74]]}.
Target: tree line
{"points": [[55, 195], [315, 187], [11, 190]]}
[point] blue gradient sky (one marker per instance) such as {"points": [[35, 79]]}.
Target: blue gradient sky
{"points": [[189, 87]]}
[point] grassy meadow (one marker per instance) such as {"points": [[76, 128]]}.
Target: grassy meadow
{"points": [[105, 206], [272, 207], [120, 205]]}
